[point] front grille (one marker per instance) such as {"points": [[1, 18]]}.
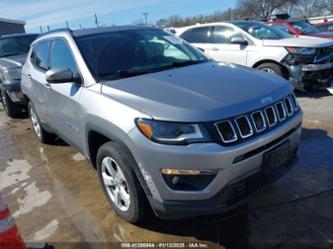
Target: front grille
{"points": [[324, 55], [245, 126]]}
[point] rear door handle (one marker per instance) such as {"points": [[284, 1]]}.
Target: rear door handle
{"points": [[48, 85], [215, 49], [28, 76]]}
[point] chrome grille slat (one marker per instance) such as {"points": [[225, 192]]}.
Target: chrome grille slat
{"points": [[281, 111], [275, 121], [221, 131], [254, 120], [289, 106], [244, 132]]}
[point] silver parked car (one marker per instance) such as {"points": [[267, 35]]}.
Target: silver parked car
{"points": [[164, 126]]}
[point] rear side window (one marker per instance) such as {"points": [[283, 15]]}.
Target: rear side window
{"points": [[197, 35], [61, 56], [40, 55]]}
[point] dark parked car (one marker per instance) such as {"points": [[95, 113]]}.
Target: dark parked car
{"points": [[325, 26], [13, 51]]}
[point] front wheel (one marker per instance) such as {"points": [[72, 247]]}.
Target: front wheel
{"points": [[42, 134], [12, 110], [272, 68], [119, 182]]}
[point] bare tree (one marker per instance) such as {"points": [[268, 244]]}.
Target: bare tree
{"points": [[260, 8], [308, 8]]}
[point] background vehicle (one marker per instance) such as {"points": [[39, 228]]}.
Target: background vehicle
{"points": [[325, 26], [13, 50], [159, 120], [306, 62], [299, 27]]}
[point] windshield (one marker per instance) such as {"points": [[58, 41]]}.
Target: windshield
{"points": [[127, 53], [305, 28], [261, 31], [15, 45]]}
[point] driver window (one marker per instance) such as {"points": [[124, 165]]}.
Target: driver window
{"points": [[61, 56], [223, 35]]}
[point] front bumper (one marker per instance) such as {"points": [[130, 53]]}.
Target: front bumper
{"points": [[311, 76], [228, 198], [14, 92], [152, 157]]}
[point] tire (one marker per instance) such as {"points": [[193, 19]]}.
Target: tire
{"points": [[115, 171], [12, 110], [272, 68], [44, 136]]}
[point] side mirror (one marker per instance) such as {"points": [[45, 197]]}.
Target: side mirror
{"points": [[61, 75], [239, 40], [201, 49]]}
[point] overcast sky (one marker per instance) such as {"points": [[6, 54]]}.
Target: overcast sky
{"points": [[80, 12]]}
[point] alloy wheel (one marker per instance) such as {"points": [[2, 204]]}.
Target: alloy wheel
{"points": [[115, 184]]}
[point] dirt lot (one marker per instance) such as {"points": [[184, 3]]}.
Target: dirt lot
{"points": [[55, 196]]}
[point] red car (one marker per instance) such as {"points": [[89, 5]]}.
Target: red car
{"points": [[325, 26], [299, 27]]}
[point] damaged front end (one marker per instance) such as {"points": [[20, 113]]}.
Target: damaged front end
{"points": [[309, 68]]}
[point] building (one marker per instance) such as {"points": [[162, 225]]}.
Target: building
{"points": [[11, 26], [320, 19]]}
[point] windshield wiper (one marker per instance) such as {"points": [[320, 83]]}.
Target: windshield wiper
{"points": [[136, 72], [7, 55]]}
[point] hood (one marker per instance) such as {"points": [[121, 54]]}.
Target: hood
{"points": [[203, 92], [12, 61], [323, 35], [299, 41]]}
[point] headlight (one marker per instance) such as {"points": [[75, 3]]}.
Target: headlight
{"points": [[301, 51], [173, 133], [12, 74]]}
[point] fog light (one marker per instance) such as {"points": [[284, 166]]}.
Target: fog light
{"points": [[188, 180]]}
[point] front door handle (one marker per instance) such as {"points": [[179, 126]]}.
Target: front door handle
{"points": [[28, 76], [215, 49]]}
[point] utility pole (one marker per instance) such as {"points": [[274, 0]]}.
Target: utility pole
{"points": [[145, 14], [67, 24], [96, 20], [41, 29]]}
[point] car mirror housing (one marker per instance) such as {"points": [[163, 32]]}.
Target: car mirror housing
{"points": [[61, 75], [238, 40]]}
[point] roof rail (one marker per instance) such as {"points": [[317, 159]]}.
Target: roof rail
{"points": [[58, 30]]}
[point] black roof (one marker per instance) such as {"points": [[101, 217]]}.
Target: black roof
{"points": [[99, 30], [17, 35]]}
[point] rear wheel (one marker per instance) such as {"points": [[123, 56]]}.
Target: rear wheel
{"points": [[119, 182], [12, 110], [272, 68], [42, 134]]}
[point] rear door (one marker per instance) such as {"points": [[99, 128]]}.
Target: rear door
{"points": [[36, 75], [63, 98], [198, 37]]}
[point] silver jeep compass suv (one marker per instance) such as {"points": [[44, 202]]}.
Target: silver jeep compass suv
{"points": [[164, 126]]}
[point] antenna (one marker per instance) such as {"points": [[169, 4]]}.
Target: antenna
{"points": [[96, 20], [48, 28], [67, 24], [41, 29], [145, 14]]}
